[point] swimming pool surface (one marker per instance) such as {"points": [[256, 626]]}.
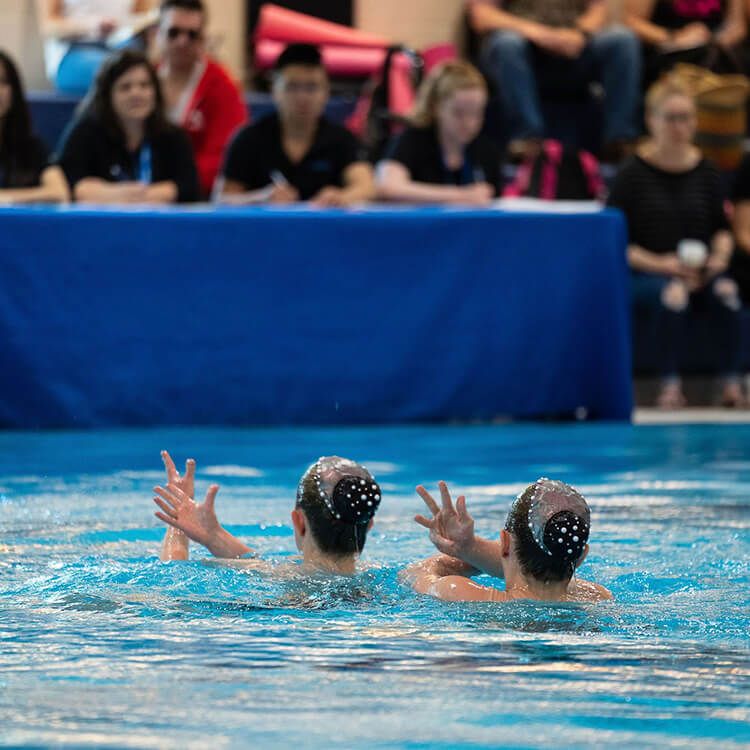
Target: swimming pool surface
{"points": [[102, 645]]}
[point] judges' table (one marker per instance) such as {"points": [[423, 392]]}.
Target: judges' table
{"points": [[272, 316]]}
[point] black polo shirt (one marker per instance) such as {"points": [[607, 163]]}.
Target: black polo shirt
{"points": [[419, 151], [256, 152], [88, 150]]}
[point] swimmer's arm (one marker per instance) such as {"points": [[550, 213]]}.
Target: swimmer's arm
{"points": [[484, 555], [445, 578], [198, 520], [452, 532]]}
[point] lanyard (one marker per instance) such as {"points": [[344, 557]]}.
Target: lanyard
{"points": [[144, 164], [469, 174]]}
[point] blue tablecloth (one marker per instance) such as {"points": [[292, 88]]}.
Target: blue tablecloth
{"points": [[271, 316]]}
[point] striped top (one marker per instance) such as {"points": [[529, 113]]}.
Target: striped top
{"points": [[663, 207]]}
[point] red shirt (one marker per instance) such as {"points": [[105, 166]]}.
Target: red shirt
{"points": [[210, 110]]}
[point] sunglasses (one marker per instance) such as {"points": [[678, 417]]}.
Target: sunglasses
{"points": [[175, 32]]}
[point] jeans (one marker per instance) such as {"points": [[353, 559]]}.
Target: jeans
{"points": [[612, 57], [670, 325]]}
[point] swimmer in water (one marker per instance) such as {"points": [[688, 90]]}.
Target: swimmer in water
{"points": [[544, 541], [336, 502]]}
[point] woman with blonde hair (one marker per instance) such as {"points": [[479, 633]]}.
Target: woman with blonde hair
{"points": [[679, 243], [442, 157]]}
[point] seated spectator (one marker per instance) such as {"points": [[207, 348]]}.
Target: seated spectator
{"points": [[679, 243], [199, 94], [25, 174], [443, 158], [524, 40], [296, 154], [121, 149], [740, 265], [77, 35], [682, 30]]}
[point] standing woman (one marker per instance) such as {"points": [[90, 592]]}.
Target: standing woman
{"points": [[673, 202], [121, 149], [25, 175], [76, 34], [443, 158]]}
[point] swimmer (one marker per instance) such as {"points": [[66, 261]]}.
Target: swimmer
{"points": [[336, 502], [544, 541]]}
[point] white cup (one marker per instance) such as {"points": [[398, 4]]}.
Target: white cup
{"points": [[692, 253]]}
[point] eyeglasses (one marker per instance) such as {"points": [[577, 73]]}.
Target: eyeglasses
{"points": [[175, 32], [678, 117], [296, 87]]}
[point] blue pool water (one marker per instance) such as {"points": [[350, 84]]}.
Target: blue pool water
{"points": [[101, 645]]}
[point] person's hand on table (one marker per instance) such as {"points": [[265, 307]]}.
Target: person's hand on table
{"points": [[330, 197], [476, 194], [283, 193]]}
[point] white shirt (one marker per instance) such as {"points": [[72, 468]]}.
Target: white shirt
{"points": [[92, 11]]}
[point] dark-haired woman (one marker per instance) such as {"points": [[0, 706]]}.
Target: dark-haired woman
{"points": [[336, 502], [25, 175], [544, 541], [122, 149]]}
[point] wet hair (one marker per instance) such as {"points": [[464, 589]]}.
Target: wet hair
{"points": [[196, 6], [17, 150], [442, 82], [550, 523], [307, 55], [338, 519], [98, 102]]}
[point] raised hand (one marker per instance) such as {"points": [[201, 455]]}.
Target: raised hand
{"points": [[451, 528], [186, 482], [197, 520]]}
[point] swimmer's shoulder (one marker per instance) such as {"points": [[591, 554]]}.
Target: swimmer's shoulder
{"points": [[588, 591], [462, 589]]}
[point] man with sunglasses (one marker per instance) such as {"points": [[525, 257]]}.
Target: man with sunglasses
{"points": [[199, 94]]}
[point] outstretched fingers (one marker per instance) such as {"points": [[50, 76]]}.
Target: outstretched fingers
{"points": [[428, 500], [445, 496], [211, 496], [168, 509], [463, 514], [422, 521], [172, 494], [190, 471], [172, 474], [169, 521]]}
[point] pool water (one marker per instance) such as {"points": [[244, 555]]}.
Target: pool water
{"points": [[102, 645]]}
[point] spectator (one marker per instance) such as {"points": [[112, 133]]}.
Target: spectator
{"points": [[672, 200], [527, 40], [296, 153], [740, 265], [199, 94], [443, 158], [77, 33], [25, 175], [121, 149], [682, 30]]}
